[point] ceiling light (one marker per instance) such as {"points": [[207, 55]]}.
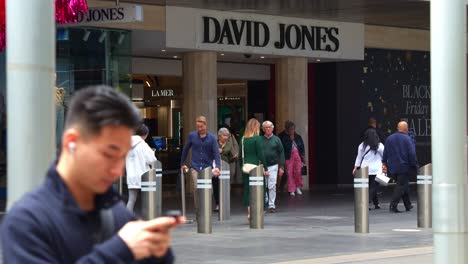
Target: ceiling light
{"points": [[102, 37], [147, 83], [121, 38], [318, 59], [222, 54], [163, 50], [86, 35], [175, 57], [262, 57]]}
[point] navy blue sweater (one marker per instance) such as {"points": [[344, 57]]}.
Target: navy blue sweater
{"points": [[399, 154], [47, 226], [204, 151]]}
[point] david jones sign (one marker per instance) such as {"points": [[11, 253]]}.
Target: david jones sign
{"points": [[259, 34]]}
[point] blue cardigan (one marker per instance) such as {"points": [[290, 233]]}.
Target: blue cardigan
{"points": [[47, 226]]}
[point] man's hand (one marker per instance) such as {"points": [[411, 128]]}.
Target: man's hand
{"points": [[184, 168], [266, 173], [235, 156], [280, 172], [149, 238], [216, 172], [354, 170], [384, 169]]}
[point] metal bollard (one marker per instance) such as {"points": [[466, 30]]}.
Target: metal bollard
{"points": [[205, 202], [361, 201], [151, 192], [424, 180], [257, 197], [224, 192]]}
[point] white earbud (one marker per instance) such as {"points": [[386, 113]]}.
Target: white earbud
{"points": [[71, 147]]}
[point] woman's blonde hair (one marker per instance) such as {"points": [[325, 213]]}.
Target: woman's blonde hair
{"points": [[252, 128]]}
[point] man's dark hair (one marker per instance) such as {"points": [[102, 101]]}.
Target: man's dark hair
{"points": [[142, 130], [94, 107]]}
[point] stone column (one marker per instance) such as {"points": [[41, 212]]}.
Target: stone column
{"points": [[291, 99], [200, 89], [448, 107], [30, 93]]}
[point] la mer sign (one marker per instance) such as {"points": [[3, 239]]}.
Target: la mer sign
{"points": [[198, 29], [162, 93]]}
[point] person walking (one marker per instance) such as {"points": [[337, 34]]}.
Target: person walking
{"points": [[204, 151], [251, 149], [399, 161], [370, 153], [138, 161], [75, 216], [274, 158], [295, 156], [226, 150]]}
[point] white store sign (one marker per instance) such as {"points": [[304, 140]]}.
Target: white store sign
{"points": [[200, 29], [112, 14]]}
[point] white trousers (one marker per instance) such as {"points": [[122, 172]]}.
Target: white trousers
{"points": [[271, 181]]}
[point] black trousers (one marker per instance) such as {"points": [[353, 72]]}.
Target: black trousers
{"points": [[401, 191], [215, 183], [373, 188]]}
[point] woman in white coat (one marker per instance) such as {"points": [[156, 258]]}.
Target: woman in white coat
{"points": [[137, 163], [370, 153]]}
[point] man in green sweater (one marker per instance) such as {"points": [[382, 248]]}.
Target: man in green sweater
{"points": [[274, 157]]}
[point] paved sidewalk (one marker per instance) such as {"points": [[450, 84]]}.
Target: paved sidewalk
{"points": [[313, 228]]}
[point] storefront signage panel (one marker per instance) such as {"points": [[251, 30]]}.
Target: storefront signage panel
{"points": [[162, 93], [113, 14], [260, 34]]}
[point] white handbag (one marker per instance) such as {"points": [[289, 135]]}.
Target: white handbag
{"points": [[246, 167], [382, 178]]}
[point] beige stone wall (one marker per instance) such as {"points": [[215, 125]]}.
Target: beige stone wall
{"points": [[396, 38]]}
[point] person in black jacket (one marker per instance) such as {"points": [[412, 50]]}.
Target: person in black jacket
{"points": [[372, 124], [294, 153], [75, 216]]}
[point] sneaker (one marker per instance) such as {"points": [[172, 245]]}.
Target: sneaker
{"points": [[298, 191], [292, 193], [216, 208], [271, 210]]}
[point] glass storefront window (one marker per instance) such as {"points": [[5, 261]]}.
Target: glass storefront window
{"points": [[90, 56]]}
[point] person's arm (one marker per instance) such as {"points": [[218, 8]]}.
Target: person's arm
{"points": [[235, 146], [281, 160], [241, 152], [412, 154], [24, 241], [185, 150], [215, 150], [358, 159], [301, 147], [260, 152], [148, 154]]}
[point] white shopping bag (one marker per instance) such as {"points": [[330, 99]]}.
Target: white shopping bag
{"points": [[382, 178]]}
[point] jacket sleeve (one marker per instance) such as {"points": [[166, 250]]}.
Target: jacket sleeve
{"points": [[412, 154], [260, 153], [235, 145], [148, 154], [358, 156], [281, 153], [301, 146], [187, 146], [24, 241]]}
